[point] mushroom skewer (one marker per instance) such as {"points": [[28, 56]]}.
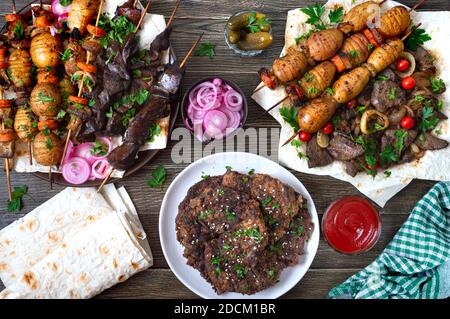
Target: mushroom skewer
{"points": [[349, 86], [154, 108]]}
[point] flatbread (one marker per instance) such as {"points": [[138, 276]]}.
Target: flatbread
{"points": [[433, 166], [101, 256]]}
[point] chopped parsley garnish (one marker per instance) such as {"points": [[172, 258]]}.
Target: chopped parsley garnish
{"points": [[240, 270], [128, 116], [437, 85], [314, 13], [387, 173], [269, 219], [49, 143], [65, 3], [228, 168], [118, 28], [360, 109], [230, 215], [256, 25], [202, 215], [354, 53], [99, 148], [330, 91], [382, 78], [226, 247], [19, 30], [205, 176], [206, 49], [44, 98], [251, 172], [220, 191], [266, 200], [388, 155], [270, 273], [370, 46], [392, 94], [16, 203], [276, 206], [158, 177], [154, 130], [299, 230], [401, 136], [429, 121]]}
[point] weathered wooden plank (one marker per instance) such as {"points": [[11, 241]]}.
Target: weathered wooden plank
{"points": [[154, 283]]}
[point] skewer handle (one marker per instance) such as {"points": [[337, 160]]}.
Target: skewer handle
{"points": [[291, 138], [144, 12], [191, 50], [65, 147], [411, 31], [417, 5], [172, 16], [105, 181]]}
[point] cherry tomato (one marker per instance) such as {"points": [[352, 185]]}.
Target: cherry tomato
{"points": [[407, 122], [375, 167], [408, 83], [352, 104], [402, 65], [304, 136], [328, 129]]}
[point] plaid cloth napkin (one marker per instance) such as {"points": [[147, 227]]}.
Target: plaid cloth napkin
{"points": [[416, 263]]}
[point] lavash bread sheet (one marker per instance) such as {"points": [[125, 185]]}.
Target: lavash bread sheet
{"points": [[152, 25], [76, 245], [433, 166]]}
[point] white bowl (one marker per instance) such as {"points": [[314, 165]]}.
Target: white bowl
{"points": [[215, 165]]}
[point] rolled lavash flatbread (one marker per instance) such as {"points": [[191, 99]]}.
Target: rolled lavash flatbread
{"points": [[100, 256], [31, 238]]}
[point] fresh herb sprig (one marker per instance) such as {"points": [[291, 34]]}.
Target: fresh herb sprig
{"points": [[289, 115], [417, 38], [206, 49], [16, 203], [255, 25], [158, 177]]}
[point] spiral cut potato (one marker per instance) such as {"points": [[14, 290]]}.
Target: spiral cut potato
{"points": [[357, 18], [385, 55], [324, 44], [45, 100], [394, 22], [45, 50], [318, 79], [22, 124], [291, 66], [81, 13], [354, 51], [316, 114], [350, 85], [20, 68]]}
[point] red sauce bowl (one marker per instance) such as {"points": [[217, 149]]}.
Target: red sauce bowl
{"points": [[351, 225]]}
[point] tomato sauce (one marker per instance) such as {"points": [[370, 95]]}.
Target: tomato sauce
{"points": [[351, 225]]}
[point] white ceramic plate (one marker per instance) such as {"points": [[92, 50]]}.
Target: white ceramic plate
{"points": [[215, 165]]}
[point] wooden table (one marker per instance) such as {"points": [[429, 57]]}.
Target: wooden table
{"points": [[329, 267]]}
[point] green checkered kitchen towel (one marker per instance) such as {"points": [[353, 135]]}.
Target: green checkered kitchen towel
{"points": [[416, 263]]}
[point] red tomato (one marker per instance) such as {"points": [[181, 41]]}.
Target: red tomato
{"points": [[407, 122], [402, 65], [375, 167], [352, 104], [408, 83], [328, 129], [304, 136]]}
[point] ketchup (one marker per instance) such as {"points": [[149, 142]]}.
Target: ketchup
{"points": [[351, 225]]}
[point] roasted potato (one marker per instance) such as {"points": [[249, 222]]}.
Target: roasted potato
{"points": [[81, 13], [394, 22], [45, 100], [314, 116], [45, 50], [22, 124], [385, 55], [324, 44], [350, 85], [318, 79], [357, 18], [20, 68], [291, 66], [47, 149]]}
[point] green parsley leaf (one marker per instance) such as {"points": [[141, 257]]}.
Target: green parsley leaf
{"points": [[429, 121], [336, 15], [16, 203], [289, 115], [206, 49], [251, 172], [399, 144], [256, 25], [387, 173], [417, 38], [437, 85], [49, 143], [392, 94], [19, 30], [65, 3], [44, 98], [99, 148], [228, 168], [266, 200], [158, 177], [388, 155], [205, 176], [382, 78], [314, 13]]}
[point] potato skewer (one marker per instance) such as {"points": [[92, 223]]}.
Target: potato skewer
{"points": [[81, 85], [6, 138], [348, 86]]}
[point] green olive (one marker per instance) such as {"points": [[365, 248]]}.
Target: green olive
{"points": [[241, 21], [255, 41], [234, 36]]}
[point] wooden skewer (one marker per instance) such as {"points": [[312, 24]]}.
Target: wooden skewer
{"points": [[50, 179], [411, 31], [144, 12], [259, 89], [292, 137], [104, 181], [272, 107], [81, 86], [191, 50], [417, 5], [135, 3], [172, 16], [14, 6], [29, 152], [6, 161]]}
